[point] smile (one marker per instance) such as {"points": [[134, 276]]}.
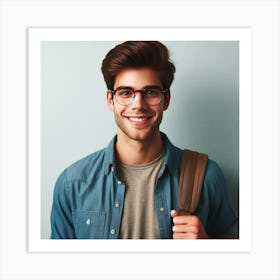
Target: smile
{"points": [[138, 120]]}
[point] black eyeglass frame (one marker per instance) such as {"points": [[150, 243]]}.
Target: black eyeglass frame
{"points": [[142, 91]]}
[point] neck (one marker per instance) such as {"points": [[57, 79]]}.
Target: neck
{"points": [[135, 152]]}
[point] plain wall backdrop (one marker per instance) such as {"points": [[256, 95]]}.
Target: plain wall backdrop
{"points": [[75, 121]]}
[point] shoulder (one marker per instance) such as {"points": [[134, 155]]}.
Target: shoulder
{"points": [[214, 180], [85, 168], [215, 186], [213, 174]]}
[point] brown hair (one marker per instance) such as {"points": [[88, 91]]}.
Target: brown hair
{"points": [[137, 54]]}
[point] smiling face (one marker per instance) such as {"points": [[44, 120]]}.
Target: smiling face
{"points": [[138, 121]]}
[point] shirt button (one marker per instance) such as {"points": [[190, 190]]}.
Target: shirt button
{"points": [[119, 182], [112, 169], [117, 205], [113, 231], [161, 209]]}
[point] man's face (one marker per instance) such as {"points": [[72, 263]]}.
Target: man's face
{"points": [[138, 121]]}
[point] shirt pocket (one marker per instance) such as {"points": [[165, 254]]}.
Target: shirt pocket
{"points": [[89, 224]]}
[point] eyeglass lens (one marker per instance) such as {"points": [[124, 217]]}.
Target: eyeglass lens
{"points": [[126, 96]]}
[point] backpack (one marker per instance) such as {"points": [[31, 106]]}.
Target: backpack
{"points": [[193, 167]]}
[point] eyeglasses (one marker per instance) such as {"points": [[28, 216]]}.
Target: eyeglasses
{"points": [[125, 95]]}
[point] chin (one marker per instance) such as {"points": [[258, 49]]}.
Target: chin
{"points": [[142, 136]]}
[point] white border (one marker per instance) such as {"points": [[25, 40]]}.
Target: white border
{"points": [[243, 35]]}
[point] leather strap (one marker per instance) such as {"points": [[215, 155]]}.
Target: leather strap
{"points": [[192, 174]]}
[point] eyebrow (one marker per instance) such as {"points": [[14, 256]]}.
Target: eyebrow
{"points": [[145, 87]]}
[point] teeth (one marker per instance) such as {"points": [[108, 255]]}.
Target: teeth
{"points": [[138, 119]]}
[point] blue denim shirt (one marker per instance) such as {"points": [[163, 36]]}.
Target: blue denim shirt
{"points": [[89, 198]]}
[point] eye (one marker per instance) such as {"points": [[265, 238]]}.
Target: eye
{"points": [[125, 93], [150, 92]]}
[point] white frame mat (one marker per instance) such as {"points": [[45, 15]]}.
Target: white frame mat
{"points": [[37, 35]]}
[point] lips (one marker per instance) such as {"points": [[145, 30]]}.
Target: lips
{"points": [[138, 120]]}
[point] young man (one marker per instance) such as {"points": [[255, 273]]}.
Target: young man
{"points": [[130, 188]]}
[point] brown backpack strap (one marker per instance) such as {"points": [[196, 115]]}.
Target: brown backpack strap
{"points": [[192, 173]]}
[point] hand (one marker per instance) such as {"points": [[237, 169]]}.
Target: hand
{"points": [[187, 227]]}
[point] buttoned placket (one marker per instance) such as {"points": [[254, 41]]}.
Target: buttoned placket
{"points": [[161, 206], [117, 207]]}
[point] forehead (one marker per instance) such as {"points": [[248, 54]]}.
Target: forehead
{"points": [[137, 78]]}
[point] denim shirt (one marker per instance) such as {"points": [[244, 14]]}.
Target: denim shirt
{"points": [[88, 197]]}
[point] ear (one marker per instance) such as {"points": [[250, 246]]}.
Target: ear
{"points": [[110, 101], [166, 100]]}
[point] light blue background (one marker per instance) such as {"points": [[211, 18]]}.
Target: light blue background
{"points": [[75, 120]]}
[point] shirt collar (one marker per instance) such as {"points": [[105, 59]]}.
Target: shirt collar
{"points": [[172, 157], [109, 155]]}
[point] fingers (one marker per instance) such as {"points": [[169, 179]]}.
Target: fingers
{"points": [[174, 213], [188, 235], [185, 232], [184, 229], [183, 220], [187, 227]]}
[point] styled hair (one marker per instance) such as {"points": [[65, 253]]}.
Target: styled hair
{"points": [[138, 54]]}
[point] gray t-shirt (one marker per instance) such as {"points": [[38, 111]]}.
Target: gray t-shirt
{"points": [[139, 219]]}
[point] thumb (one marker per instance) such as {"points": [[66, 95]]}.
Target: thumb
{"points": [[174, 213]]}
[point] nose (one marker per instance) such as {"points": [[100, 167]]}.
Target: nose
{"points": [[138, 100]]}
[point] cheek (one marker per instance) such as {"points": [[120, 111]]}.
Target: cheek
{"points": [[117, 113], [112, 108]]}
